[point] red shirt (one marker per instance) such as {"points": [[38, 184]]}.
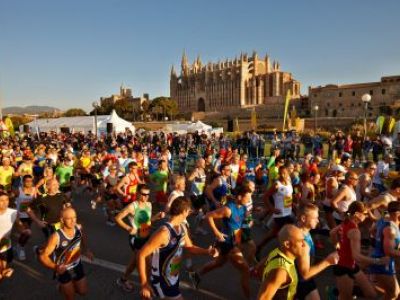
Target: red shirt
{"points": [[345, 254]]}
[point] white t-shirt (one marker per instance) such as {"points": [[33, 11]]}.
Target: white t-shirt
{"points": [[7, 220]]}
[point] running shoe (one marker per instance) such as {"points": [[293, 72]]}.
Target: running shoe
{"points": [[195, 278], [125, 284]]}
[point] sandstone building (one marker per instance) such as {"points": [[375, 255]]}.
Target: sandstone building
{"points": [[124, 94], [345, 100], [243, 82]]}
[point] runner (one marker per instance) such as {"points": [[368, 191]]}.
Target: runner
{"points": [[307, 288], [387, 242], [6, 173], [347, 237], [166, 246], [160, 180], [65, 245], [364, 189], [127, 187], [233, 215], [139, 214], [111, 195], [8, 219], [331, 190], [220, 188], [345, 196], [281, 193], [279, 278], [24, 196], [379, 204], [179, 191], [197, 180]]}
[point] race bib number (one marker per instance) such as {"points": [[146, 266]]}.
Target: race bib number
{"points": [[287, 201], [132, 189], [23, 206], [200, 186]]}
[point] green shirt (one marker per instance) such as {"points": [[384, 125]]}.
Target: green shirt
{"points": [[160, 179], [64, 174]]}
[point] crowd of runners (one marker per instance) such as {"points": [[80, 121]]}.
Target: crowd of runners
{"points": [[165, 190]]}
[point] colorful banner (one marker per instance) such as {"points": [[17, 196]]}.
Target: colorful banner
{"points": [[10, 125], [287, 101], [379, 123]]}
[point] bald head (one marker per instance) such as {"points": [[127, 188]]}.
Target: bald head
{"points": [[287, 232], [68, 217]]}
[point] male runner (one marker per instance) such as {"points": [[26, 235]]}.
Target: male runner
{"points": [[166, 247], [65, 246]]}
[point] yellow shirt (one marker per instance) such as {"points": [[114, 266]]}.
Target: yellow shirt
{"points": [[6, 175], [277, 259]]}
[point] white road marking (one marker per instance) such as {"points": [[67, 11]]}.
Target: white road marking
{"points": [[121, 269], [32, 272]]}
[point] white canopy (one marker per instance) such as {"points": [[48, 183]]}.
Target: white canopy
{"points": [[199, 126], [119, 124], [81, 124]]}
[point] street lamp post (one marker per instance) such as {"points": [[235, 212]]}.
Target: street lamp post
{"points": [[316, 107], [366, 98], [95, 106]]}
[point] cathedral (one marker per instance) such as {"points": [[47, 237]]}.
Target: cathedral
{"points": [[245, 82]]}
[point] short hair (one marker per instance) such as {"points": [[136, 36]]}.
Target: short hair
{"points": [[142, 186], [25, 177], [305, 209], [394, 207], [369, 164], [284, 233], [242, 190], [179, 179], [2, 193], [132, 164], [179, 205]]}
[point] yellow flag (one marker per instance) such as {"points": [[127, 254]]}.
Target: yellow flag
{"points": [[10, 126], [253, 119], [287, 100]]}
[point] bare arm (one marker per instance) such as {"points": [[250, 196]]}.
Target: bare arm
{"points": [[389, 245], [270, 285], [48, 251], [354, 236], [120, 185], [223, 212], [339, 197], [306, 270], [210, 188], [119, 218]]}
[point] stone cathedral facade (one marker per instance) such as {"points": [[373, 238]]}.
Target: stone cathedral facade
{"points": [[244, 82]]}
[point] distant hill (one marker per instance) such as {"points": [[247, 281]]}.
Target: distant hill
{"points": [[34, 109]]}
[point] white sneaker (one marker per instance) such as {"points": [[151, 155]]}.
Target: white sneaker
{"points": [[21, 253], [93, 204], [110, 223]]}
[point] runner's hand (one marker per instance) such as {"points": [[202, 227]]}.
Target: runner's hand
{"points": [[221, 237], [277, 211], [146, 292], [42, 224], [213, 252], [332, 258], [162, 215], [26, 231], [133, 231]]}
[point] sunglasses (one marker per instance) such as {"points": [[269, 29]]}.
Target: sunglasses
{"points": [[145, 194]]}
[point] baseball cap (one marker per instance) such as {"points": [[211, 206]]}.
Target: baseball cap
{"points": [[338, 168]]}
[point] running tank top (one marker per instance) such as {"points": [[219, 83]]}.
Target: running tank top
{"points": [[345, 254], [198, 185], [222, 190], [232, 225], [327, 200], [309, 241], [167, 261], [277, 259], [141, 220], [68, 250], [130, 190], [283, 199], [22, 202], [379, 249], [343, 205]]}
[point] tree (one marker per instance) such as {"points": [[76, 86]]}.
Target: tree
{"points": [[74, 112], [168, 107]]}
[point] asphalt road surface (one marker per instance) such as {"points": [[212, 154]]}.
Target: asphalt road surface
{"points": [[112, 253]]}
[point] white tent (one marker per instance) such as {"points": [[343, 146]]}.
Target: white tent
{"points": [[199, 126], [80, 124], [119, 124]]}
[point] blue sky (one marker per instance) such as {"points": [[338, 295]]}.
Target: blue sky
{"points": [[70, 53]]}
